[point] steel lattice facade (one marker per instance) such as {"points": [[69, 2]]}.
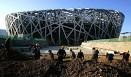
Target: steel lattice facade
{"points": [[66, 27]]}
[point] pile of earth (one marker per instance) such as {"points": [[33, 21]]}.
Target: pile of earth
{"points": [[74, 68]]}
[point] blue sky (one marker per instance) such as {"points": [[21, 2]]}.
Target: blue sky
{"points": [[10, 6]]}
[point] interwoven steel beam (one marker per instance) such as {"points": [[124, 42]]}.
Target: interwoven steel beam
{"points": [[66, 26]]}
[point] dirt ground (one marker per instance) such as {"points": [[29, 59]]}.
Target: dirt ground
{"points": [[44, 67], [102, 58]]}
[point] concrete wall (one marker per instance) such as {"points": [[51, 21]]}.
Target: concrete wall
{"points": [[3, 32], [115, 46]]}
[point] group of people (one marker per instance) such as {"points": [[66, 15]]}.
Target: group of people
{"points": [[110, 55], [80, 54], [125, 56], [35, 49], [62, 54]]}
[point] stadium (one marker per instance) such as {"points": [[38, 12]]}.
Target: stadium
{"points": [[66, 26]]}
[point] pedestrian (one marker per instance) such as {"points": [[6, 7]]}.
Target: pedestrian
{"points": [[32, 48], [61, 54], [51, 55], [80, 55], [95, 54], [110, 55], [36, 51], [73, 55], [125, 57], [2, 46], [8, 44]]}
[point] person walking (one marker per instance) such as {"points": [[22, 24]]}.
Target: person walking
{"points": [[8, 45], [36, 51], [125, 57], [61, 54], [51, 55], [95, 54], [73, 55], [80, 55], [110, 56]]}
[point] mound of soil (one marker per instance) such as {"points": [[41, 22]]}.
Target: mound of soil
{"points": [[74, 68]]}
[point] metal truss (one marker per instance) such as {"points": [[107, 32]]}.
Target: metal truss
{"points": [[66, 26]]}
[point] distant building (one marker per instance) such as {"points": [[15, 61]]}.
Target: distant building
{"points": [[3, 32], [128, 34], [125, 35], [66, 26]]}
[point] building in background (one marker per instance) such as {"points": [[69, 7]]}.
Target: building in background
{"points": [[3, 32], [66, 26]]}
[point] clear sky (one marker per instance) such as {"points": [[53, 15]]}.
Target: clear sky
{"points": [[10, 6]]}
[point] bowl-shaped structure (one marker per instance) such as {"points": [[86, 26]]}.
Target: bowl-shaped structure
{"points": [[66, 27]]}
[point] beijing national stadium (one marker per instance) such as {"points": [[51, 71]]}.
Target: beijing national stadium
{"points": [[66, 26]]}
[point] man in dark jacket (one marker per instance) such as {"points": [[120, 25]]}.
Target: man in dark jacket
{"points": [[95, 54], [61, 54], [80, 55], [73, 55], [110, 56], [37, 52], [7, 44], [51, 55], [126, 56]]}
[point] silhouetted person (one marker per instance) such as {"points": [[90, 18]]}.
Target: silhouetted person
{"points": [[7, 44], [73, 55], [126, 56], [80, 55], [61, 54], [95, 54], [32, 48], [110, 56], [2, 46], [51, 55], [36, 52], [7, 47], [123, 56]]}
